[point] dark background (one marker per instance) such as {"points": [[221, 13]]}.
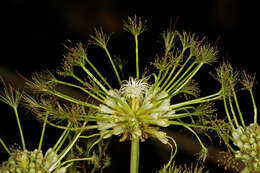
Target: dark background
{"points": [[32, 34]]}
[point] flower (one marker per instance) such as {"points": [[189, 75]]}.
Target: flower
{"points": [[23, 161], [248, 141], [134, 110]]}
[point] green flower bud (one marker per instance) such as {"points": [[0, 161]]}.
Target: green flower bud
{"points": [[31, 170], [251, 140], [22, 159], [244, 138], [246, 146], [18, 170], [253, 153], [32, 165]]}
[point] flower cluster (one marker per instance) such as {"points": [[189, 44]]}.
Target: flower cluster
{"points": [[32, 162], [246, 138], [248, 141]]}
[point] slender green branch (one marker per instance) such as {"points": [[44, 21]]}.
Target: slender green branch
{"points": [[93, 78], [67, 149], [233, 111], [98, 73], [83, 89], [255, 108], [189, 125], [134, 161], [178, 73], [73, 160], [94, 90], [136, 57], [61, 137], [72, 129], [185, 80], [43, 131], [71, 99], [170, 74], [237, 106], [227, 113], [20, 128], [5, 147], [198, 100], [113, 65]]}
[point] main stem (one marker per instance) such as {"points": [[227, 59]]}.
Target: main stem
{"points": [[134, 162]]}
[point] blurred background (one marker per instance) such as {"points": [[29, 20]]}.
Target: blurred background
{"points": [[33, 33]]}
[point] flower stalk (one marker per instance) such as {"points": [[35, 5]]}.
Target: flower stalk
{"points": [[134, 161]]}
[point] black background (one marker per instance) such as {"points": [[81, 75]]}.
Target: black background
{"points": [[32, 34]]}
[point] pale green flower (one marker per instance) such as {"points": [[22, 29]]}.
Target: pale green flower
{"points": [[31, 162], [133, 110]]}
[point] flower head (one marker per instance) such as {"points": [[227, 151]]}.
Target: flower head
{"points": [[247, 139], [134, 110], [133, 88], [31, 161]]}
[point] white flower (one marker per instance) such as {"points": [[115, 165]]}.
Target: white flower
{"points": [[134, 88], [134, 110]]}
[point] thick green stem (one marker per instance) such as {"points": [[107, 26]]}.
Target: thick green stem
{"points": [[20, 128], [134, 162]]}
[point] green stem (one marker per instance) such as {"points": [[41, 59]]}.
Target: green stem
{"points": [[185, 80], [255, 108], [78, 87], [5, 147], [113, 65], [178, 73], [43, 131], [20, 128], [93, 78], [233, 111], [71, 99], [227, 113], [136, 57], [67, 149], [74, 160], [134, 162], [199, 100], [237, 106], [98, 73], [61, 137]]}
